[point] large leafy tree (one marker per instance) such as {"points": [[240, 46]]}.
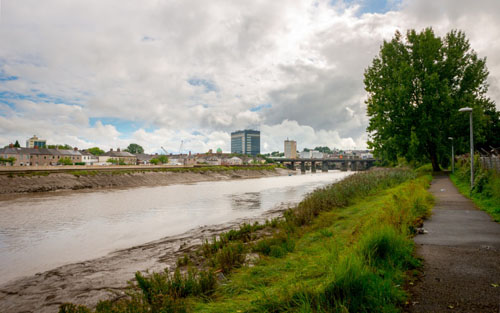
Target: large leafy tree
{"points": [[135, 148], [415, 87], [96, 151]]}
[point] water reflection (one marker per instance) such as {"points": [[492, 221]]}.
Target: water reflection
{"points": [[246, 201]]}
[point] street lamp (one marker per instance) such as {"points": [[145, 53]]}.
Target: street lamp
{"points": [[452, 156], [467, 109]]}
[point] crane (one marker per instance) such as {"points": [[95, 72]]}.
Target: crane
{"points": [[164, 150], [180, 148]]}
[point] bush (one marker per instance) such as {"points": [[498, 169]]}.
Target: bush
{"points": [[65, 161], [277, 246], [79, 163], [230, 256]]}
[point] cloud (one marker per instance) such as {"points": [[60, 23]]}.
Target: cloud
{"points": [[195, 71]]}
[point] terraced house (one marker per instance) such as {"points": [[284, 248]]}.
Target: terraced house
{"points": [[40, 156], [21, 155], [120, 156]]}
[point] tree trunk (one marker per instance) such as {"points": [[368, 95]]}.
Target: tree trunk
{"points": [[435, 163]]}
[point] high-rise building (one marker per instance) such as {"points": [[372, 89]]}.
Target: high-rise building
{"points": [[290, 149], [35, 142], [245, 142]]}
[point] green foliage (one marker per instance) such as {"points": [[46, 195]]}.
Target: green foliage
{"points": [[96, 151], [163, 159], [154, 161], [416, 86], [230, 256], [10, 160], [65, 161], [486, 191], [72, 308], [79, 163], [60, 147], [17, 145], [277, 246], [135, 148], [117, 161], [343, 194], [324, 149]]}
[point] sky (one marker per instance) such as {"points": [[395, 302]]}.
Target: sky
{"points": [[157, 73]]}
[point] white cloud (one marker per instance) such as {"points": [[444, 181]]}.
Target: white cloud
{"points": [[300, 61]]}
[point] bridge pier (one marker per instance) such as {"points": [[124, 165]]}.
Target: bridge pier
{"points": [[324, 166], [313, 167], [343, 166], [303, 167]]}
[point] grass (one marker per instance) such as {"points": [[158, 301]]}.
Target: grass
{"points": [[344, 248], [486, 192], [350, 260], [201, 169]]}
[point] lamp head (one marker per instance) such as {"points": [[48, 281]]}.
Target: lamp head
{"points": [[466, 109], [451, 138]]}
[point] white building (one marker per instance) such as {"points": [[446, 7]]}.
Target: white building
{"points": [[316, 154], [305, 154]]}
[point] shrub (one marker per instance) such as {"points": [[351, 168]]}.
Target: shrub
{"points": [[277, 246], [65, 161], [230, 256]]}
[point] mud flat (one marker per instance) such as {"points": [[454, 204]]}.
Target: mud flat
{"points": [[12, 184], [106, 277]]}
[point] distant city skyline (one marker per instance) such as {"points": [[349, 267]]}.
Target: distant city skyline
{"points": [[111, 73]]}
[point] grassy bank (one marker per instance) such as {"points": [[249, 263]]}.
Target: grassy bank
{"points": [[486, 192], [344, 248]]}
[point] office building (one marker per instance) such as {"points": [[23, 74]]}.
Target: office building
{"points": [[290, 149], [245, 142], [35, 142]]}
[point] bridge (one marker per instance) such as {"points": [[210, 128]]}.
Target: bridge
{"points": [[326, 164]]}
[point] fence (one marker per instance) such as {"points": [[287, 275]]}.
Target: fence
{"points": [[491, 163]]}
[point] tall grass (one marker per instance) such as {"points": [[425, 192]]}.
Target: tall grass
{"points": [[486, 191]]}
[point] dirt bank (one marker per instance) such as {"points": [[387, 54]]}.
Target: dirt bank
{"points": [[106, 278], [11, 184]]}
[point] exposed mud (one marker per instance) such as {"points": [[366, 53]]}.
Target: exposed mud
{"points": [[12, 184], [106, 277]]}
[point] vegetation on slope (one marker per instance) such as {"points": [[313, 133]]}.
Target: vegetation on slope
{"points": [[344, 248], [486, 191]]}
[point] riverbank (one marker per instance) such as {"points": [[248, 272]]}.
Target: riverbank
{"points": [[127, 178], [345, 247], [89, 282]]}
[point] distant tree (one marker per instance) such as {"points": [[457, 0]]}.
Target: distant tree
{"points": [[60, 147], [134, 149], [65, 161], [17, 145], [154, 161], [10, 160], [306, 150], [416, 85], [95, 151], [162, 159]]}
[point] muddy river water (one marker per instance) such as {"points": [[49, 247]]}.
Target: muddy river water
{"points": [[39, 232]]}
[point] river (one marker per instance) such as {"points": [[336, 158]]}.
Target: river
{"points": [[39, 232]]}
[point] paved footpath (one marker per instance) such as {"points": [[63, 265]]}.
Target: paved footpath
{"points": [[461, 252]]}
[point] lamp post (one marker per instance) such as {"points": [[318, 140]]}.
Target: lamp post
{"points": [[467, 109], [452, 156]]}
